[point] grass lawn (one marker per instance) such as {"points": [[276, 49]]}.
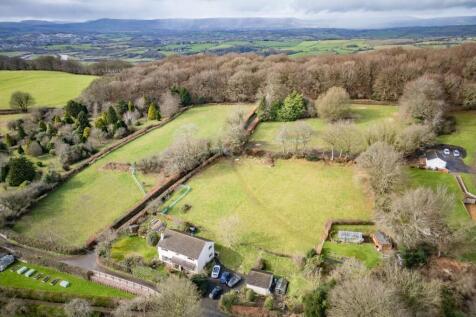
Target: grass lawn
{"points": [[280, 209], [465, 134], [94, 198], [470, 182], [48, 88], [433, 179], [365, 252], [78, 286], [132, 246], [364, 115]]}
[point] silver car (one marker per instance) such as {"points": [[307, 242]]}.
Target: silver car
{"points": [[456, 153], [446, 151]]}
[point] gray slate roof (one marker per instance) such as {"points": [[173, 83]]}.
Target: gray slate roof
{"points": [[260, 279], [381, 238], [182, 243]]}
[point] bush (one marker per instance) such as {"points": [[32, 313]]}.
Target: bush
{"points": [[227, 300], [152, 112], [415, 257], [201, 282], [74, 108], [311, 253], [269, 303], [315, 302], [152, 238], [260, 264], [250, 295], [20, 170]]}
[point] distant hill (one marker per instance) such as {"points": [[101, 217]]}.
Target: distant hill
{"points": [[226, 24]]}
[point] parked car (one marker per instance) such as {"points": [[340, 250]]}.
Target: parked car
{"points": [[216, 271], [446, 151], [216, 292], [456, 153], [235, 279], [225, 277]]}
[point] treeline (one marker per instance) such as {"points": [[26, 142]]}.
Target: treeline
{"points": [[53, 63], [379, 75]]}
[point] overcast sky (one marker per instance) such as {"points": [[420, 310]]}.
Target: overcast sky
{"points": [[80, 10]]}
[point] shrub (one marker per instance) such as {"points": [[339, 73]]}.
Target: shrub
{"points": [[111, 116], [20, 170], [152, 112], [469, 96], [227, 300], [260, 264], [315, 302], [250, 295], [201, 282], [74, 108], [269, 303], [152, 238], [415, 257]]}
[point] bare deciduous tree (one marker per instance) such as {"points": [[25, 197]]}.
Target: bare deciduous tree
{"points": [[418, 217], [383, 165], [78, 308], [169, 104], [235, 135], [294, 137], [423, 100], [365, 296], [334, 104], [343, 137], [178, 298], [414, 137]]}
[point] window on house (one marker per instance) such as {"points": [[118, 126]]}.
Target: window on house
{"points": [[211, 254], [210, 247]]}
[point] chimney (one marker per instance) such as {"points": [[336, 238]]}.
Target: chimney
{"points": [[162, 236]]}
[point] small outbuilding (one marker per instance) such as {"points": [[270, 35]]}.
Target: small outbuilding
{"points": [[260, 282], [350, 236], [281, 286], [434, 162], [6, 261], [382, 241]]}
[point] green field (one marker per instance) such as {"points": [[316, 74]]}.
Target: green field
{"points": [[94, 198], [280, 209], [78, 286], [48, 88], [365, 252], [365, 115], [465, 134]]}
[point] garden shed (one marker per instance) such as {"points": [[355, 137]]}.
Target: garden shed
{"points": [[260, 282], [382, 241]]}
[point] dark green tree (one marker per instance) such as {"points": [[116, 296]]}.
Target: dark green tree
{"points": [[42, 126], [20, 150], [122, 107], [21, 133], [20, 170], [82, 122], [183, 94], [74, 108], [315, 302], [9, 141], [111, 116], [294, 107]]}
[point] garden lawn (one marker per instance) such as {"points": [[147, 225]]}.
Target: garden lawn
{"points": [[364, 116], [432, 179], [127, 246], [78, 286], [91, 200], [280, 209], [465, 134], [47, 88], [365, 252]]}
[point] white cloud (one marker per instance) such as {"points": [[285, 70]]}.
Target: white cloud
{"points": [[150, 9]]}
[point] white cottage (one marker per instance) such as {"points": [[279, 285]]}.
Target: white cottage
{"points": [[184, 252], [260, 282], [434, 162]]}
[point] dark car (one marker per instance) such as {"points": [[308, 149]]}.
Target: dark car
{"points": [[216, 292], [225, 277], [235, 279]]}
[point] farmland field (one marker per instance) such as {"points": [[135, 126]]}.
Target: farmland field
{"points": [[81, 207], [78, 286], [48, 88], [364, 115], [281, 209]]}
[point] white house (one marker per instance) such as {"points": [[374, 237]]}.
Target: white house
{"points": [[184, 252], [433, 161], [260, 282]]}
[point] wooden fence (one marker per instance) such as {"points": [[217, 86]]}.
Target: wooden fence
{"points": [[122, 284]]}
